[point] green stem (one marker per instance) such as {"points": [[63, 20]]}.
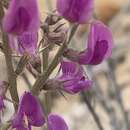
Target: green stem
{"points": [[47, 100], [49, 4], [22, 63], [41, 80], [46, 103], [10, 70], [47, 94], [6, 126]]}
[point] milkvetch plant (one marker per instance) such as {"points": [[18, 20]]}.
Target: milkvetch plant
{"points": [[20, 27]]}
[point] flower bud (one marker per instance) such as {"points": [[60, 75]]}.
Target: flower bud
{"points": [[71, 54], [56, 38], [52, 84]]}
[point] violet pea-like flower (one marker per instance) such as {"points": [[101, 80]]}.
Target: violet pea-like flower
{"points": [[56, 122], [79, 11], [24, 43], [99, 46], [21, 16], [73, 78], [29, 111]]}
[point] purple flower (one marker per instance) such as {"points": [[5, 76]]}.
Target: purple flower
{"points": [[100, 44], [29, 109], [78, 11], [21, 16], [2, 106], [73, 78], [25, 43], [19, 122], [56, 122]]}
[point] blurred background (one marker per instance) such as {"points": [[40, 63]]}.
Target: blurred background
{"points": [[107, 105]]}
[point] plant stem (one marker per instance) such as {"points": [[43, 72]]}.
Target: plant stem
{"points": [[45, 56], [22, 63], [118, 92], [95, 116], [6, 126], [10, 70], [49, 4], [46, 102], [41, 80]]}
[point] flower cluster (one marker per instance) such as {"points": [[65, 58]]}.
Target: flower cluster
{"points": [[30, 113], [21, 22]]}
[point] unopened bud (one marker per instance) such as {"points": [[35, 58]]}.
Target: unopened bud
{"points": [[71, 54], [52, 84], [56, 38], [52, 19], [36, 63]]}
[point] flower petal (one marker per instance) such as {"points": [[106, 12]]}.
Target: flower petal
{"points": [[30, 106], [25, 43], [100, 44], [75, 10], [71, 69], [21, 16], [28, 42], [1, 103], [73, 79], [56, 122], [77, 87], [18, 121]]}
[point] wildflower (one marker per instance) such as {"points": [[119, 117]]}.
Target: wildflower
{"points": [[73, 78], [99, 46], [22, 16], [100, 43], [25, 43], [29, 111], [78, 11], [56, 122]]}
